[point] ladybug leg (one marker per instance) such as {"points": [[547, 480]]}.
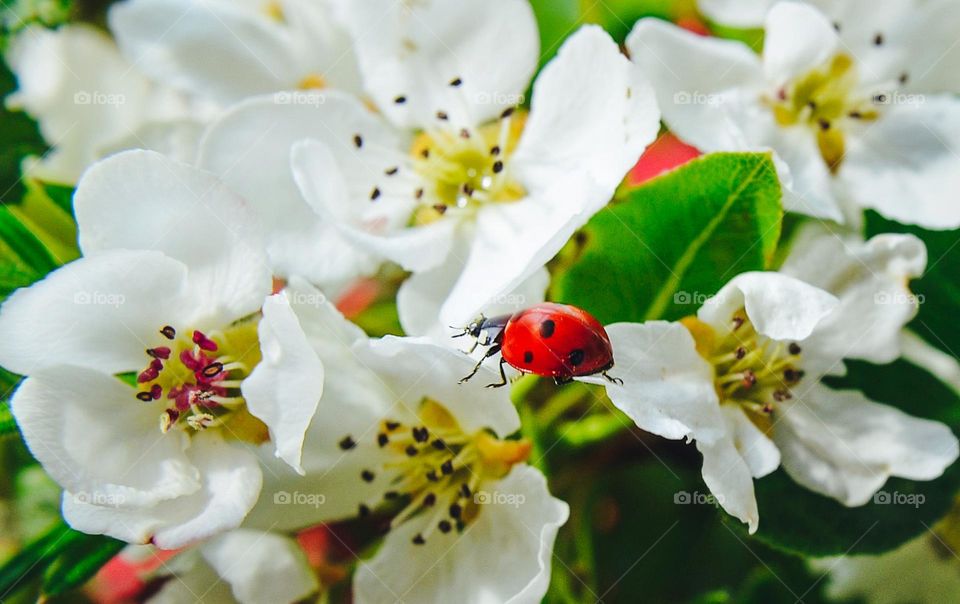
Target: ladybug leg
{"points": [[492, 351], [561, 380], [503, 377], [612, 379]]}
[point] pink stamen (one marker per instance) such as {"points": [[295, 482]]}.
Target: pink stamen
{"points": [[203, 341]]}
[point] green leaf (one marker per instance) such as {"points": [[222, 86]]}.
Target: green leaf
{"points": [[7, 424], [795, 519], [672, 242], [938, 289], [21, 137], [24, 244], [79, 562], [34, 558]]}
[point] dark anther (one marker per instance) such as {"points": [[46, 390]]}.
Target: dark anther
{"points": [[419, 193], [441, 208], [145, 396], [400, 100], [347, 443], [411, 451], [465, 490], [824, 124], [160, 352], [738, 322], [418, 539], [495, 150], [168, 332], [447, 467], [749, 379], [464, 133], [382, 439], [213, 369], [432, 476], [445, 526], [363, 510], [391, 426], [794, 348], [421, 434], [507, 112], [497, 167], [358, 141], [740, 352], [391, 171], [375, 193], [367, 476], [429, 500], [456, 82], [878, 40], [455, 510], [425, 153], [439, 445], [442, 115]]}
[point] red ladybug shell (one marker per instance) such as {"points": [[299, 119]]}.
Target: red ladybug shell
{"points": [[556, 340]]}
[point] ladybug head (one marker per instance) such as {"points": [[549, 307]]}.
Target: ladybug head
{"points": [[473, 329]]}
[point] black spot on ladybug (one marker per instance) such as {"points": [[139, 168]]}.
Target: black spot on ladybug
{"points": [[576, 356], [547, 328], [528, 357]]}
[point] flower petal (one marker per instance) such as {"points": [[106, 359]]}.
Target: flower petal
{"points": [[667, 386], [221, 49], [417, 368], [779, 306], [845, 446], [285, 387], [97, 441], [906, 165], [729, 478], [593, 111], [100, 312], [261, 567], [333, 190], [871, 281], [694, 78], [798, 38], [736, 13], [415, 52], [143, 200], [231, 483], [511, 541], [512, 241]]}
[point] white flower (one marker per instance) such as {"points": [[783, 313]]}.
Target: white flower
{"points": [[90, 101], [862, 114], [229, 50], [149, 362], [243, 566], [450, 181], [924, 570], [743, 376], [469, 520]]}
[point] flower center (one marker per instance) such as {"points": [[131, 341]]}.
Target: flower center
{"points": [[435, 469], [461, 169], [197, 378], [750, 370], [824, 99]]}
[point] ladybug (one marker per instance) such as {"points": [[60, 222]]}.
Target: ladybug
{"points": [[552, 340]]}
